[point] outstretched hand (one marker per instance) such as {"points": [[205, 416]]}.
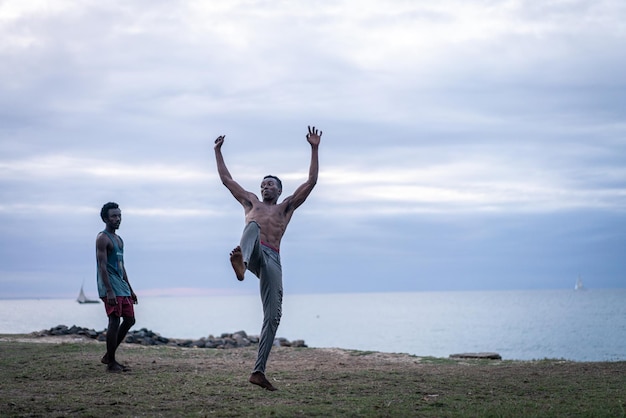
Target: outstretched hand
{"points": [[219, 141], [313, 136]]}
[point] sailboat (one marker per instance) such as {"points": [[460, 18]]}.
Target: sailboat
{"points": [[83, 299], [579, 285]]}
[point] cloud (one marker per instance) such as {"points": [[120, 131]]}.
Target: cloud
{"points": [[446, 121], [60, 166]]}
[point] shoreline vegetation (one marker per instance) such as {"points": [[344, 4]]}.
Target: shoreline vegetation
{"points": [[62, 376]]}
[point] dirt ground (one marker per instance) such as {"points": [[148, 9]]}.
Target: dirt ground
{"points": [[333, 359], [320, 358], [62, 376]]}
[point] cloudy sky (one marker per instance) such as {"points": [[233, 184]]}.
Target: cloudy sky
{"points": [[468, 145]]}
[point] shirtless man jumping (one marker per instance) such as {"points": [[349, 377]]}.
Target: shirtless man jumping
{"points": [[266, 223]]}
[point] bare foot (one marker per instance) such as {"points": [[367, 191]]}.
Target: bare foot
{"points": [[258, 378], [236, 259], [117, 368], [105, 360]]}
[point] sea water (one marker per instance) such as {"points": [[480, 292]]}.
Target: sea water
{"points": [[522, 325]]}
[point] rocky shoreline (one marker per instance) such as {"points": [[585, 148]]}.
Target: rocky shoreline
{"points": [[237, 339], [145, 336]]}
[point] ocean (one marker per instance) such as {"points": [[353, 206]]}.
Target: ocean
{"points": [[585, 325]]}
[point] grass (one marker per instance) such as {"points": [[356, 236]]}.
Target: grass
{"points": [[66, 379]]}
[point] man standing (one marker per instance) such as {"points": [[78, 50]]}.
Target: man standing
{"points": [[259, 249], [113, 286]]}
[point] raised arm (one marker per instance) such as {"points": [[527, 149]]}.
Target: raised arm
{"points": [[304, 190], [243, 196]]}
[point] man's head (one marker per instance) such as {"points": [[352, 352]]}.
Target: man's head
{"points": [[276, 179], [111, 214], [271, 187]]}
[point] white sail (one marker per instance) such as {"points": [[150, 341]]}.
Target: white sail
{"points": [[81, 296], [83, 299], [579, 284]]}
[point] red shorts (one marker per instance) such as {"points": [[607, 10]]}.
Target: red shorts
{"points": [[124, 307]]}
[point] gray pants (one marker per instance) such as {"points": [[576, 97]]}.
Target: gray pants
{"points": [[264, 262]]}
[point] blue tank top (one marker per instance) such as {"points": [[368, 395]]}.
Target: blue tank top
{"points": [[115, 270]]}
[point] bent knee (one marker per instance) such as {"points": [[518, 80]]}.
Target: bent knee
{"points": [[276, 319], [272, 318]]}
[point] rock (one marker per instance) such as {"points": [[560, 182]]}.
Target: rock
{"points": [[210, 343], [241, 340], [162, 340], [489, 356], [147, 341], [281, 342], [201, 343], [185, 343], [298, 343], [59, 330], [147, 337], [241, 333]]}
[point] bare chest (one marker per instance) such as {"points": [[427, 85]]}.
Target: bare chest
{"points": [[271, 218]]}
